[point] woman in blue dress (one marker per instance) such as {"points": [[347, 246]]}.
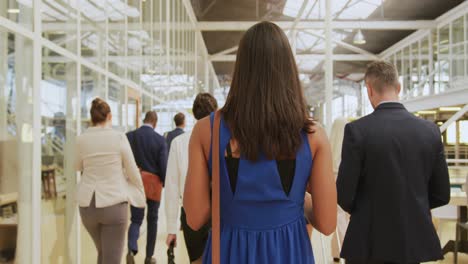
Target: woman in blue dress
{"points": [[271, 154]]}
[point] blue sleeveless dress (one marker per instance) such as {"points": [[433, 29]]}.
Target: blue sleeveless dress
{"points": [[260, 223]]}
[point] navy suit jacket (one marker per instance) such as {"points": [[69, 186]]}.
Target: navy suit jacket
{"points": [[392, 173], [173, 134], [150, 150]]}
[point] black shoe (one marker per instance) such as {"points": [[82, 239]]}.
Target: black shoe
{"points": [[130, 258]]}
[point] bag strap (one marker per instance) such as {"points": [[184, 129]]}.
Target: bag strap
{"points": [[215, 199]]}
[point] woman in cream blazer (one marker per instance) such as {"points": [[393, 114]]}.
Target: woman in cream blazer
{"points": [[110, 179]]}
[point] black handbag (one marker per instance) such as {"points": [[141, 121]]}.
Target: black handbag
{"points": [[170, 254]]}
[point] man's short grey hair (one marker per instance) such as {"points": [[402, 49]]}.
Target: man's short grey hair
{"points": [[381, 75]]}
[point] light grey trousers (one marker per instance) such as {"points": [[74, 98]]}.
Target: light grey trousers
{"points": [[107, 226]]}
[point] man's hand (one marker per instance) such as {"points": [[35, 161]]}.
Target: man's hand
{"points": [[171, 238]]}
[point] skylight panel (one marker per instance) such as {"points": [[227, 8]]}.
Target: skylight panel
{"points": [[134, 43], [292, 7], [27, 3], [360, 9], [61, 8], [53, 13], [91, 11], [125, 9], [308, 65]]}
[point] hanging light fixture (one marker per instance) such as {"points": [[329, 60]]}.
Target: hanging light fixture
{"points": [[359, 38]]}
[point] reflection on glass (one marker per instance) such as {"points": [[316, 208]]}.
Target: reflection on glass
{"points": [[59, 23], [20, 12], [16, 146], [458, 51], [116, 100], [58, 132], [92, 86]]}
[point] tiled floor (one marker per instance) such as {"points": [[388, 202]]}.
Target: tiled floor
{"points": [[54, 233]]}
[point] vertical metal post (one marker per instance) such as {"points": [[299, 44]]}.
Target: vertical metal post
{"points": [[420, 89], [328, 64], [36, 125], [78, 117], [431, 63], [439, 69], [168, 41], [294, 41], [450, 46], [208, 87], [3, 75], [457, 141]]}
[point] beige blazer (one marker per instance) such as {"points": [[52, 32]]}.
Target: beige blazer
{"points": [[108, 169]]}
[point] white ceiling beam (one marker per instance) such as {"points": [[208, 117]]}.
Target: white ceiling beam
{"points": [[336, 57], [94, 59], [356, 24], [226, 51], [298, 17], [115, 26], [347, 46], [454, 118], [415, 36], [448, 98], [455, 12]]}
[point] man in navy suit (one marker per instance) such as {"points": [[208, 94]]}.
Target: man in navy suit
{"points": [[393, 172], [179, 120], [150, 151]]}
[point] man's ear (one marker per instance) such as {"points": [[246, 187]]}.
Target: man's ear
{"points": [[370, 90], [398, 89]]}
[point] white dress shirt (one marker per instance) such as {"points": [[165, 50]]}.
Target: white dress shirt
{"points": [[177, 166], [109, 169]]}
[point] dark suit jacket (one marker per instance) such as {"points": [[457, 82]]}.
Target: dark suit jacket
{"points": [[173, 134], [392, 173], [150, 150]]}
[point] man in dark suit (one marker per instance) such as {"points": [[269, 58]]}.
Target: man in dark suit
{"points": [[179, 120], [393, 172], [150, 151]]}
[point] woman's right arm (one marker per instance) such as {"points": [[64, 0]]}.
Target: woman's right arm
{"points": [[197, 185], [322, 184]]}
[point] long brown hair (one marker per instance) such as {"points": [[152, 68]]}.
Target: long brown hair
{"points": [[265, 108]]}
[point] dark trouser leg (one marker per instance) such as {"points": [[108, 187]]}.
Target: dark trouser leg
{"points": [[152, 220], [134, 230]]}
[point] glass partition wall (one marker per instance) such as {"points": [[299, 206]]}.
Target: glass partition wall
{"points": [[56, 56], [433, 61]]}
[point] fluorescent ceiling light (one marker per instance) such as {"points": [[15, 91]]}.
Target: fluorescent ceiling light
{"points": [[428, 112], [450, 109], [440, 123], [13, 10]]}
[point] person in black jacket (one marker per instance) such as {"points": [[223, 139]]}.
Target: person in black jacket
{"points": [[179, 120], [150, 151], [393, 172]]}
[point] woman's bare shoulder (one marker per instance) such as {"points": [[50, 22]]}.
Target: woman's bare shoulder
{"points": [[202, 127], [318, 137], [202, 133]]}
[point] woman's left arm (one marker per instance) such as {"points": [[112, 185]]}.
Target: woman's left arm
{"points": [[129, 164], [197, 203]]}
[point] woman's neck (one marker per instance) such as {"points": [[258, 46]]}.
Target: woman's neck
{"points": [[102, 125]]}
